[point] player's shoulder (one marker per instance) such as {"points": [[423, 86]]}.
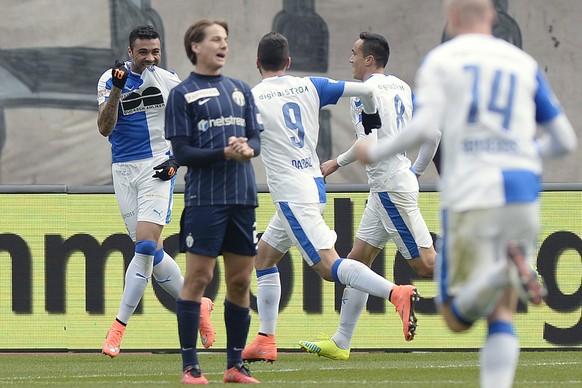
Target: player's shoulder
{"points": [[398, 81], [517, 54], [164, 74], [316, 79], [105, 76], [323, 84], [388, 83], [162, 70]]}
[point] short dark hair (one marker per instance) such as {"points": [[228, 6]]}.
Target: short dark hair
{"points": [[273, 51], [377, 46], [143, 32], [195, 33]]}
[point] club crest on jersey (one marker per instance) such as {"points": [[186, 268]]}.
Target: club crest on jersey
{"points": [[238, 97], [189, 240], [358, 107]]}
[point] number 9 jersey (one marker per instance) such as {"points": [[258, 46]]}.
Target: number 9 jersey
{"points": [[290, 108]]}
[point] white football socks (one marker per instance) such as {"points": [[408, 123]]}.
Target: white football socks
{"points": [[137, 277], [353, 303], [357, 275], [268, 298], [168, 275], [499, 357]]}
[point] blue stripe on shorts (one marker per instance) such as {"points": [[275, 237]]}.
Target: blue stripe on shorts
{"points": [[299, 233], [400, 225]]}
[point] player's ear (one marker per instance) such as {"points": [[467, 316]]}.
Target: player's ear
{"points": [[288, 63], [195, 48], [493, 16]]}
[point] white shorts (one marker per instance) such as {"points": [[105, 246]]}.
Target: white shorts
{"points": [[300, 225], [396, 217], [141, 197], [475, 240]]}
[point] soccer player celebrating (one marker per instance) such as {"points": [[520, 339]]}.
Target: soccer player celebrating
{"points": [[290, 110], [391, 211], [132, 98], [487, 96], [214, 127]]}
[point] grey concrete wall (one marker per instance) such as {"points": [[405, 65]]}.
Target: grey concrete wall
{"points": [[52, 53]]}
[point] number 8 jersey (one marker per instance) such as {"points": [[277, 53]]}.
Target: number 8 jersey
{"points": [[290, 108], [394, 98]]}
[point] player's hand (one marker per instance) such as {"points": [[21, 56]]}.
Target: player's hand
{"points": [[329, 167], [362, 151], [119, 75], [371, 121], [238, 149], [166, 170]]}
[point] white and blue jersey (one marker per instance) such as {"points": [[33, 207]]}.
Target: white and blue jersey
{"points": [[488, 97], [394, 98], [139, 132], [290, 109], [209, 110]]}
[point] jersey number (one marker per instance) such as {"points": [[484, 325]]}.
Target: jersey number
{"points": [[501, 103], [292, 116], [400, 110]]}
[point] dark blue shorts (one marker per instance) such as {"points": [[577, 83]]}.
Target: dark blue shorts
{"points": [[214, 229]]}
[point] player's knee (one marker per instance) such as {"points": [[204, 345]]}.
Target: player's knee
{"points": [[196, 283], [239, 284], [323, 269], [422, 268], [424, 265], [454, 324], [146, 247], [457, 326], [425, 271], [265, 262]]}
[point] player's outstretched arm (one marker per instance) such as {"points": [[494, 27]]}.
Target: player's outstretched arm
{"points": [[559, 138], [364, 92], [421, 129], [426, 154], [370, 115]]}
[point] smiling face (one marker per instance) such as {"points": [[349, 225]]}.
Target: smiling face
{"points": [[212, 51], [144, 53]]}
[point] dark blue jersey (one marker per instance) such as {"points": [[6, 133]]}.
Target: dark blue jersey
{"points": [[208, 110]]}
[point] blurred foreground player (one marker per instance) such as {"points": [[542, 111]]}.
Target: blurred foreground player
{"points": [[488, 97]]}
